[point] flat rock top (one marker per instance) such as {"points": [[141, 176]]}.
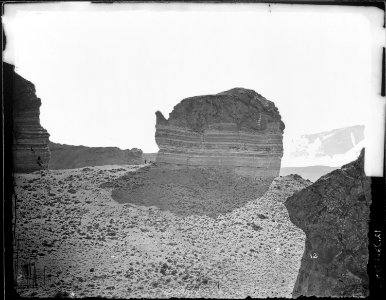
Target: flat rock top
{"points": [[58, 146], [240, 106]]}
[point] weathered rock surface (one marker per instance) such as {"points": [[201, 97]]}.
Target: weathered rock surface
{"points": [[334, 213], [71, 157], [30, 139], [237, 129]]}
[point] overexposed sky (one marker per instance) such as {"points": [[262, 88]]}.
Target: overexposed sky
{"points": [[102, 71]]}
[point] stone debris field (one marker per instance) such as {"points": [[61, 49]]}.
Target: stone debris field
{"points": [[89, 245]]}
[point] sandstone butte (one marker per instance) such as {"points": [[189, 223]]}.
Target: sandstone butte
{"points": [[237, 129], [30, 140], [334, 214]]}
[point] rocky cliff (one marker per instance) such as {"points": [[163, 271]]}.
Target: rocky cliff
{"points": [[238, 129], [30, 139], [71, 157], [334, 213]]}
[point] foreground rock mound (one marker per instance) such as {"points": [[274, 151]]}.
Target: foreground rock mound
{"points": [[334, 213], [237, 129], [187, 191], [30, 139], [71, 157]]}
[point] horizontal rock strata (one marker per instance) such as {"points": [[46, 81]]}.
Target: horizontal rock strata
{"points": [[71, 157], [334, 213], [30, 139], [237, 129]]}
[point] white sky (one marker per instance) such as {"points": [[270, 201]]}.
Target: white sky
{"points": [[102, 71]]}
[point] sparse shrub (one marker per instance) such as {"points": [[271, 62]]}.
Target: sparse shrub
{"points": [[261, 216], [255, 227], [71, 191], [62, 294]]}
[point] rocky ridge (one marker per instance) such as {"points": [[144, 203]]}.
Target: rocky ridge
{"points": [[71, 157], [238, 129], [334, 213]]}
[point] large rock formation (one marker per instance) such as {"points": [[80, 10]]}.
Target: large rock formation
{"points": [[30, 139], [334, 213], [238, 129], [71, 157]]}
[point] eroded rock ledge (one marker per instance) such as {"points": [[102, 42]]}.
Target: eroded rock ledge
{"points": [[237, 129], [30, 139], [334, 213]]}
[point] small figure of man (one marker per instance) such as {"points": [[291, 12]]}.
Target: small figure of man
{"points": [[39, 161], [145, 161]]}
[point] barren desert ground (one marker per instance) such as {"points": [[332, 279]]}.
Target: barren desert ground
{"points": [[87, 245]]}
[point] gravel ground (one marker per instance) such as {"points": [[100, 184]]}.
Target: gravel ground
{"points": [[85, 244]]}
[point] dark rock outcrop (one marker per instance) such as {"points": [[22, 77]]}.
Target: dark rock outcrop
{"points": [[334, 213], [237, 129], [71, 157], [30, 139]]}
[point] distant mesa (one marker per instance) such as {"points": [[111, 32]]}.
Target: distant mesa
{"points": [[30, 140], [334, 214], [336, 141], [237, 129], [312, 173], [71, 157], [332, 148]]}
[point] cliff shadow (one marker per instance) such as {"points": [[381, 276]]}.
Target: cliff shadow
{"points": [[187, 191]]}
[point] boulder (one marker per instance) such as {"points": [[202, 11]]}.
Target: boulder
{"points": [[71, 157], [30, 139], [334, 214], [236, 129]]}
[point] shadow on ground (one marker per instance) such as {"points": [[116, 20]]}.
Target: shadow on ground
{"points": [[187, 191]]}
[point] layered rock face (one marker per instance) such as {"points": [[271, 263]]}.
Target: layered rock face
{"points": [[237, 129], [30, 139], [334, 213], [71, 157]]}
